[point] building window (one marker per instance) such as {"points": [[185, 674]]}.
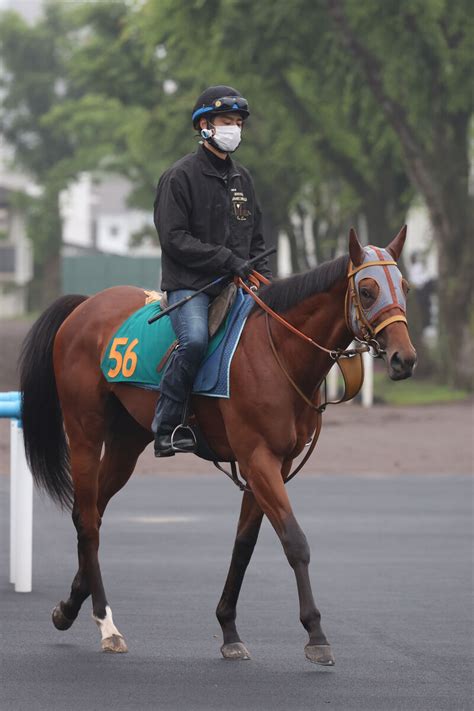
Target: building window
{"points": [[114, 231]]}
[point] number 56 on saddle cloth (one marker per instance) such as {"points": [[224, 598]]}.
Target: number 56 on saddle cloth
{"points": [[138, 351]]}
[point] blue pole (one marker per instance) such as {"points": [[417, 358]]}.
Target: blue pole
{"points": [[10, 396], [10, 405]]}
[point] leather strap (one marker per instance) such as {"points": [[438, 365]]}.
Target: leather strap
{"points": [[310, 451], [352, 370], [334, 352], [377, 263], [388, 321], [285, 371], [168, 353]]}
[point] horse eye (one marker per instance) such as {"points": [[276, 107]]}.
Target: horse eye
{"points": [[365, 293]]}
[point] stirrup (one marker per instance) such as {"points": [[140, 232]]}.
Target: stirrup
{"points": [[188, 430]]}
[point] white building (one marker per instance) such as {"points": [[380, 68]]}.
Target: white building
{"points": [[96, 217]]}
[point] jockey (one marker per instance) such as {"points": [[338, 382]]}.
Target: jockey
{"points": [[209, 224]]}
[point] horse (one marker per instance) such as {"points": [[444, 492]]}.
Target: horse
{"points": [[83, 435]]}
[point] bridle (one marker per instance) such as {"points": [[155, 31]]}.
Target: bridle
{"points": [[363, 323]]}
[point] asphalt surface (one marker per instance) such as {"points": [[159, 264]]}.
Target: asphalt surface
{"points": [[391, 569]]}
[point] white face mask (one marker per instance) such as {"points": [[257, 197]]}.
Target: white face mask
{"points": [[227, 138]]}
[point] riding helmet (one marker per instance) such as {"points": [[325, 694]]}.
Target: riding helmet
{"points": [[219, 100]]}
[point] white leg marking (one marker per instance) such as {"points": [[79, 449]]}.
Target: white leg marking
{"points": [[106, 626]]}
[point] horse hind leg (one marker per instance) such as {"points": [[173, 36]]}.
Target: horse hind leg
{"points": [[123, 445], [124, 442], [247, 533]]}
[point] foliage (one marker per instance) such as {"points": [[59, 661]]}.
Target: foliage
{"points": [[417, 62], [353, 110], [31, 85]]}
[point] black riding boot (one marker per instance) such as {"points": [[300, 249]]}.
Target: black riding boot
{"points": [[170, 437]]}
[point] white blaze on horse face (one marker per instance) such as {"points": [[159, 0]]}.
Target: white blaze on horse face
{"points": [[106, 626]]}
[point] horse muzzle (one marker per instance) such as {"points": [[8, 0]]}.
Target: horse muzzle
{"points": [[401, 364]]}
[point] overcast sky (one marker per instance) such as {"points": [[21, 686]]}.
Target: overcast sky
{"points": [[30, 9]]}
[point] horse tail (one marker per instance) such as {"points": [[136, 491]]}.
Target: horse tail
{"points": [[46, 447]]}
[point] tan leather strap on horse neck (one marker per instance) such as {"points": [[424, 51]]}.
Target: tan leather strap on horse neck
{"points": [[285, 371], [352, 370]]}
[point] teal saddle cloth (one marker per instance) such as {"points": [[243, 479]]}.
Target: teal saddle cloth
{"points": [[137, 349]]}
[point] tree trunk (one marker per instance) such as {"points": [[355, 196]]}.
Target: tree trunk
{"points": [[45, 230], [270, 234], [452, 220], [456, 268], [440, 173]]}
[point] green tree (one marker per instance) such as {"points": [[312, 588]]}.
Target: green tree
{"points": [[31, 83], [303, 94], [416, 58]]}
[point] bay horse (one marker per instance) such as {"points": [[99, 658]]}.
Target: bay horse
{"points": [[83, 435]]}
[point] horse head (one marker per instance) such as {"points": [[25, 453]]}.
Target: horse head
{"points": [[376, 303]]}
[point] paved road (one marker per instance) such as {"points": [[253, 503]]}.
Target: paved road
{"points": [[391, 566]]}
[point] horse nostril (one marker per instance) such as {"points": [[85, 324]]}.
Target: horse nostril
{"points": [[399, 363], [395, 361]]}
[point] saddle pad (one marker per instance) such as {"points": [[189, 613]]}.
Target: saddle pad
{"points": [[137, 348]]}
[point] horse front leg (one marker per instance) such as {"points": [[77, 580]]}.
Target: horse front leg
{"points": [[263, 473], [248, 528]]}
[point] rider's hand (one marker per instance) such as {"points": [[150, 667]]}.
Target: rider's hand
{"points": [[241, 268]]}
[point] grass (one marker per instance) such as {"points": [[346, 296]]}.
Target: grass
{"points": [[414, 391]]}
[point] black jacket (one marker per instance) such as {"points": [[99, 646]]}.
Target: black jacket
{"points": [[206, 222]]}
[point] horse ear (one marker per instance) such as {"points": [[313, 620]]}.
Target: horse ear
{"points": [[356, 251], [396, 245]]}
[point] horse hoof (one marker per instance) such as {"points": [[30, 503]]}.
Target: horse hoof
{"points": [[114, 644], [60, 621], [236, 650], [320, 654]]}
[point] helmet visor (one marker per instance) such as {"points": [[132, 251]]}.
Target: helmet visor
{"points": [[224, 104]]}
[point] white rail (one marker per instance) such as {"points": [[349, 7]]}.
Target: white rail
{"points": [[21, 497]]}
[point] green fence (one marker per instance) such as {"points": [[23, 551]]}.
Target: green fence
{"points": [[90, 273]]}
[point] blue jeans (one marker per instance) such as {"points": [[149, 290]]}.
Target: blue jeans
{"points": [[190, 323]]}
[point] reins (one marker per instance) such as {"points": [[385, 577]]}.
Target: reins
{"points": [[349, 360], [333, 352]]}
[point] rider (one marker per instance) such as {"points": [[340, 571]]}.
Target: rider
{"points": [[209, 224]]}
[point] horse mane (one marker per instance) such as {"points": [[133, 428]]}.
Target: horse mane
{"points": [[282, 294]]}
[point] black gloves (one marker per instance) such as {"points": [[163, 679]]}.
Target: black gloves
{"points": [[241, 268]]}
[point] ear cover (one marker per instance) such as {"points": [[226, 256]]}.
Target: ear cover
{"points": [[396, 245], [356, 251]]}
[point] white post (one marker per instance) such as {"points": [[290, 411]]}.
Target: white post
{"points": [[13, 481], [23, 518], [368, 386], [332, 383]]}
